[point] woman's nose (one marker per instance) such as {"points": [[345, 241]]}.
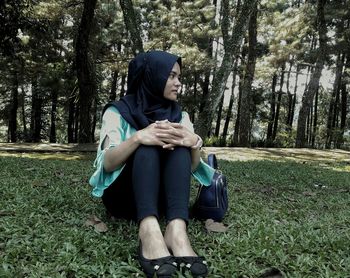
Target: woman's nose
{"points": [[178, 82]]}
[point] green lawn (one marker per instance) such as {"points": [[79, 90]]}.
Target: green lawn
{"points": [[291, 216]]}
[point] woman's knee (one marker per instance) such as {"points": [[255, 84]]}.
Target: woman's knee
{"points": [[182, 153], [146, 153]]}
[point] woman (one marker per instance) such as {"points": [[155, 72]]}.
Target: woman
{"points": [[146, 155]]}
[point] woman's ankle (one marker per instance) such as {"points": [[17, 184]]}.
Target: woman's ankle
{"points": [[177, 239], [152, 240]]}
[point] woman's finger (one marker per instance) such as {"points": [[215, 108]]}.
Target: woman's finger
{"points": [[169, 146]]}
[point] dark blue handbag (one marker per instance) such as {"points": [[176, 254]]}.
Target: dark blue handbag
{"points": [[211, 201]]}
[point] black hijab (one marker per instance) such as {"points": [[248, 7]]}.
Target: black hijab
{"points": [[144, 102]]}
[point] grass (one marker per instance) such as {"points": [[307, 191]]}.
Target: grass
{"points": [[287, 216]]}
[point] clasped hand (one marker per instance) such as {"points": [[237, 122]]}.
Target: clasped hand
{"points": [[168, 135]]}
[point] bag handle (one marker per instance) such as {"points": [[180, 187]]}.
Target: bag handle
{"points": [[212, 161]]}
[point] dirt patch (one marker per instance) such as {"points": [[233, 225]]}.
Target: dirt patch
{"points": [[305, 155], [231, 154]]}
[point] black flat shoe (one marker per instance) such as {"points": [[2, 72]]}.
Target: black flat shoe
{"points": [[196, 265], [164, 267]]}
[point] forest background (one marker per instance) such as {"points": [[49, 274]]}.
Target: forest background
{"points": [[255, 73]]}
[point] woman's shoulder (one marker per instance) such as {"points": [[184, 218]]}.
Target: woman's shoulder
{"points": [[112, 115], [184, 114]]}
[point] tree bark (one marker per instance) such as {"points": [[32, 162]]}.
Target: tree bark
{"points": [[132, 25], [293, 103], [35, 121], [290, 97], [232, 45], [12, 127], [23, 110], [269, 138], [278, 108], [85, 72], [235, 138], [122, 86], [230, 105], [113, 93], [344, 101], [246, 102], [334, 102], [315, 77], [54, 99], [313, 136], [72, 116], [218, 120]]}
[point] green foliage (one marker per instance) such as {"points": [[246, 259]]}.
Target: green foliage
{"points": [[214, 141], [38, 47], [288, 215]]}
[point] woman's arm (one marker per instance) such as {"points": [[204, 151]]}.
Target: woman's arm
{"points": [[114, 157]]}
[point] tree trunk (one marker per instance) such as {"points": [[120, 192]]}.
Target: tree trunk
{"points": [[71, 114], [278, 108], [54, 99], [232, 99], [35, 121], [195, 93], [85, 72], [293, 103], [231, 48], [313, 137], [309, 125], [113, 93], [344, 101], [334, 102], [235, 138], [122, 86], [315, 77], [269, 138], [24, 119], [290, 97], [132, 24], [246, 102], [218, 120], [12, 127]]}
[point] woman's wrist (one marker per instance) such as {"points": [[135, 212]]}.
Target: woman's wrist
{"points": [[198, 144], [137, 137]]}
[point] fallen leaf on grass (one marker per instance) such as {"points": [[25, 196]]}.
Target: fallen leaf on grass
{"points": [[7, 213], [75, 180], [39, 183], [309, 194], [59, 174], [213, 226], [29, 169], [97, 223]]}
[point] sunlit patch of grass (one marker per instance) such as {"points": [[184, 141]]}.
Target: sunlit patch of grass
{"points": [[49, 155], [294, 217]]}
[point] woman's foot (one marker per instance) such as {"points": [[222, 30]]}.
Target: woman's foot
{"points": [[153, 254], [164, 267], [153, 244], [178, 242]]}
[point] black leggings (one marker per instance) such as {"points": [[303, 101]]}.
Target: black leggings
{"points": [[153, 181]]}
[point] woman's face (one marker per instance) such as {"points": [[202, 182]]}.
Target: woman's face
{"points": [[173, 84]]}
